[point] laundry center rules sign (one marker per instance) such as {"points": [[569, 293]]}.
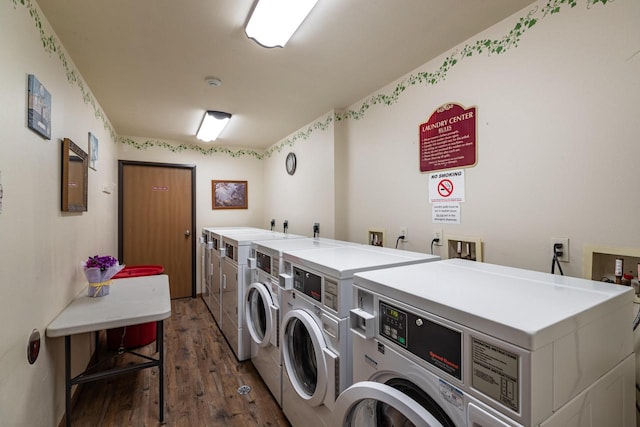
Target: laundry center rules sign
{"points": [[448, 139], [447, 144]]}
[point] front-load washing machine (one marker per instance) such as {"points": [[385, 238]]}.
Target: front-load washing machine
{"points": [[263, 304], [211, 240], [236, 276], [315, 343], [466, 344]]}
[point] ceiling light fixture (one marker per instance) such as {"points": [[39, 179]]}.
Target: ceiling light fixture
{"points": [[212, 125], [273, 22]]}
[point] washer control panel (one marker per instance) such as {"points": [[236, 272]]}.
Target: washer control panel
{"points": [[436, 344], [230, 251], [308, 283], [263, 262]]}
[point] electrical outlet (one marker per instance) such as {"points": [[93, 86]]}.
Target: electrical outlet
{"points": [[403, 232], [438, 234], [565, 247]]}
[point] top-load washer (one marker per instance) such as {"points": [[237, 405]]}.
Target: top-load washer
{"points": [[263, 304], [236, 276], [212, 256], [316, 350], [466, 344]]}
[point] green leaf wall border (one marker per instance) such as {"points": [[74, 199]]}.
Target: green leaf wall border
{"points": [[489, 46], [301, 135], [52, 45]]}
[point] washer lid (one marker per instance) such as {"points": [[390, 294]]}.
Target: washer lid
{"points": [[342, 262], [245, 238], [279, 246], [529, 309]]}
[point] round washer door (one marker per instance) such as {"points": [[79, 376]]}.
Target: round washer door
{"points": [[369, 403], [303, 349], [258, 308]]}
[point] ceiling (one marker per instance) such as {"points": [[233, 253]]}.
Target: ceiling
{"points": [[146, 60]]}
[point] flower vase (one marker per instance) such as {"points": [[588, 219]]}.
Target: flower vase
{"points": [[99, 289], [99, 271]]}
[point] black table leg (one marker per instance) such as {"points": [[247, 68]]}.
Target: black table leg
{"points": [[67, 379], [160, 347]]}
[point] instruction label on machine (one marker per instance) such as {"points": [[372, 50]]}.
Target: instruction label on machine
{"points": [[495, 373]]}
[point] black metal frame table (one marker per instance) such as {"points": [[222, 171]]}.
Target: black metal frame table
{"points": [[130, 302]]}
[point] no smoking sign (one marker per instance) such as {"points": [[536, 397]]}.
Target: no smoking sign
{"points": [[446, 186]]}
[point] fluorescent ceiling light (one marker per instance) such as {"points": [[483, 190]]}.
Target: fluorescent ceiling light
{"points": [[212, 125], [273, 22]]}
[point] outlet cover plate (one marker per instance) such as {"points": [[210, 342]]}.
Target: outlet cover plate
{"points": [[565, 247]]}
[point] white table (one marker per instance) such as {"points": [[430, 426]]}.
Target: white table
{"points": [[130, 301]]}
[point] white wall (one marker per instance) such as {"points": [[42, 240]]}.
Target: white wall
{"points": [[557, 141], [41, 248], [307, 197]]}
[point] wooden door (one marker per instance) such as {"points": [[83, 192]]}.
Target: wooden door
{"points": [[157, 221]]}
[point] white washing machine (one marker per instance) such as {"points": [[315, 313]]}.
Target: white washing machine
{"points": [[236, 276], [466, 344], [263, 304], [212, 257], [315, 339]]}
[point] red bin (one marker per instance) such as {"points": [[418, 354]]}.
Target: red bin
{"points": [[134, 335]]}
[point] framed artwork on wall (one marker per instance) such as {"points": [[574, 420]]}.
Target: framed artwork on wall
{"points": [[229, 194], [93, 152], [75, 164], [38, 107]]}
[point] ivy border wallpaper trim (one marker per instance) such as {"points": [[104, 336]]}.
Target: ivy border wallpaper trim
{"points": [[495, 46], [51, 45]]}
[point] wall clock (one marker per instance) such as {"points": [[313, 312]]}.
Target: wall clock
{"points": [[290, 163]]}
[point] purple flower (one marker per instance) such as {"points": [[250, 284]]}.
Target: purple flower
{"points": [[101, 262]]}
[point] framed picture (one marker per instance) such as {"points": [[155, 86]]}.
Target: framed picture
{"points": [[39, 107], [229, 194], [93, 152]]}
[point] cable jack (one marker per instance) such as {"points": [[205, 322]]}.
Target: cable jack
{"points": [[557, 254], [433, 242]]}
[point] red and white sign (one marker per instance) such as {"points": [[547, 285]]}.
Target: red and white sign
{"points": [[448, 139], [446, 187]]}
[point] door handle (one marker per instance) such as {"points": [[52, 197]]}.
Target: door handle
{"points": [[224, 281], [187, 233]]}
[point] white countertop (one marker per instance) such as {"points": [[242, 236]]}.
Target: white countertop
{"points": [[131, 301]]}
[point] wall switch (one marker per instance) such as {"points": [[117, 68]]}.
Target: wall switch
{"points": [[403, 232], [565, 247]]}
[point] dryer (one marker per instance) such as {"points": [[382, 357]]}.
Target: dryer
{"points": [[466, 344], [263, 304], [235, 277], [316, 350], [211, 269]]}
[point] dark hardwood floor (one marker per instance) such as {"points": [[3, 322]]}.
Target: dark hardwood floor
{"points": [[202, 379]]}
